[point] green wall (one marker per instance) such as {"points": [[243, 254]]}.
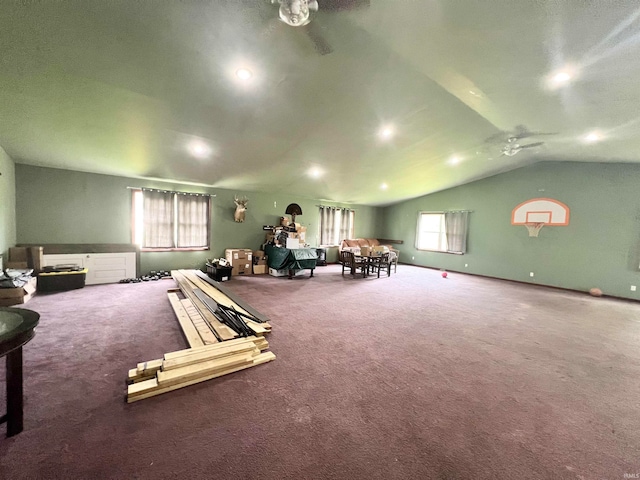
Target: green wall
{"points": [[62, 206], [7, 204], [600, 247]]}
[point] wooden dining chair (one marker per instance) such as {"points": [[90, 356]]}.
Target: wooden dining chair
{"points": [[348, 260], [382, 262]]}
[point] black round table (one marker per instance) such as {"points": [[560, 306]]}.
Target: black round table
{"points": [[16, 329]]}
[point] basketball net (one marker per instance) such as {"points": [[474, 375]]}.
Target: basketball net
{"points": [[534, 228]]}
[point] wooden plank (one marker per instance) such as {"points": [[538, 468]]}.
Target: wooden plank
{"points": [[150, 388], [150, 365], [147, 369], [197, 370], [204, 356], [189, 330], [224, 299], [231, 295], [201, 326], [134, 376], [224, 332], [210, 290], [260, 342]]}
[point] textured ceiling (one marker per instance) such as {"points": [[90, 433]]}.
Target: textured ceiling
{"points": [[123, 87]]}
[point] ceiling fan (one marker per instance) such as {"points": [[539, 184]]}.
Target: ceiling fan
{"points": [[297, 13], [510, 141]]}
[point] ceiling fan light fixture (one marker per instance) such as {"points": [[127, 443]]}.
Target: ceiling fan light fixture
{"points": [[296, 12]]}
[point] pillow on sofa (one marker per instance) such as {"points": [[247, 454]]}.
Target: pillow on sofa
{"points": [[363, 242], [373, 242], [352, 243]]}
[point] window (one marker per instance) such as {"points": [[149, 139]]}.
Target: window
{"points": [[336, 224], [170, 220], [431, 232], [443, 231]]}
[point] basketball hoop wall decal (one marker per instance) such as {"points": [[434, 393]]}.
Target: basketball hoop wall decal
{"points": [[538, 212]]}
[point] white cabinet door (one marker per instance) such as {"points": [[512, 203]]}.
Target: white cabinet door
{"points": [[110, 267]]}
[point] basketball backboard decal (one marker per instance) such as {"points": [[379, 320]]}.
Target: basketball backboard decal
{"points": [[545, 211]]}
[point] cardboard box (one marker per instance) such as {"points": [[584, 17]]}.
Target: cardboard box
{"points": [[293, 243], [18, 254], [259, 269], [19, 295], [238, 255], [35, 258], [241, 269], [284, 273], [17, 265], [259, 258]]}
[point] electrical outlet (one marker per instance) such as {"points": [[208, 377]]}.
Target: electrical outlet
{"points": [[531, 274], [633, 288]]}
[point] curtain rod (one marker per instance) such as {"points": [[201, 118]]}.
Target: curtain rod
{"points": [[333, 206], [171, 191]]}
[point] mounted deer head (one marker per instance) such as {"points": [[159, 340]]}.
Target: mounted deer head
{"points": [[241, 208]]}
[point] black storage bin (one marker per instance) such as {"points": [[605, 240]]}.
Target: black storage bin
{"points": [[218, 273], [322, 257], [61, 281]]}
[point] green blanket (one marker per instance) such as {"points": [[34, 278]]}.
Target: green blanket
{"points": [[291, 259]]}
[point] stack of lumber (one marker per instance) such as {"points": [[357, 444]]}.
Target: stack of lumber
{"points": [[224, 335], [204, 305], [193, 365]]}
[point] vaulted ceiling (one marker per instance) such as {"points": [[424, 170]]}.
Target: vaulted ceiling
{"points": [[130, 88]]}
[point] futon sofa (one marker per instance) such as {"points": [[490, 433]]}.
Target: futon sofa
{"points": [[354, 245]]}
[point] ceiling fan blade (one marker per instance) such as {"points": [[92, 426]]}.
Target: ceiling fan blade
{"points": [[341, 5], [314, 32], [520, 131], [531, 145]]}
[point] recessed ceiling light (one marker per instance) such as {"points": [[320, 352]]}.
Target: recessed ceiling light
{"points": [[244, 74], [199, 149], [561, 77], [386, 132], [454, 160], [592, 137], [315, 172], [384, 186]]}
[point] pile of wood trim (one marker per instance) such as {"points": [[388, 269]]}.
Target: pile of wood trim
{"points": [[194, 365], [215, 349]]}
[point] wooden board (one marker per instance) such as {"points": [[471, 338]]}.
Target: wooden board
{"points": [[223, 299], [229, 293], [197, 370], [189, 330], [212, 291], [150, 388], [203, 356], [201, 326], [148, 369], [260, 342], [224, 332]]}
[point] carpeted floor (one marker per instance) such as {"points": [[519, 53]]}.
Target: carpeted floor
{"points": [[408, 377]]}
